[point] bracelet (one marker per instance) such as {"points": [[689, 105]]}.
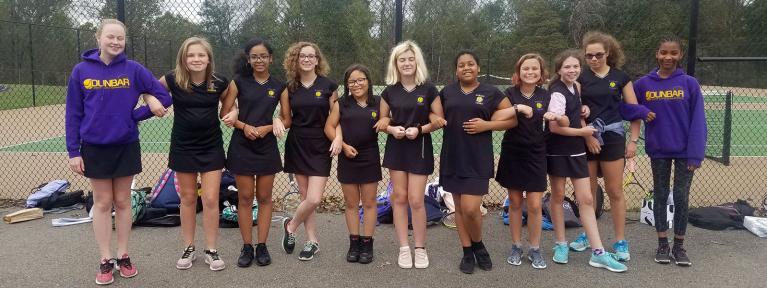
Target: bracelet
{"points": [[635, 141], [516, 110], [420, 130]]}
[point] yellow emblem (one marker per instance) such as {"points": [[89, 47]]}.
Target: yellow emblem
{"points": [[318, 93], [420, 99], [612, 84], [374, 114], [271, 92], [479, 99], [538, 105]]}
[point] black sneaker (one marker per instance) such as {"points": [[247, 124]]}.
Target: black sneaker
{"points": [[262, 255], [680, 256], [483, 259], [662, 254], [467, 264], [353, 255], [288, 239], [310, 249], [366, 250], [246, 256]]}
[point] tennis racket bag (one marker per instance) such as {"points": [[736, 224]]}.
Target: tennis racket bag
{"points": [[165, 193]]}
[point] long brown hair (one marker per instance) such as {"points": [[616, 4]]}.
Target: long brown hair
{"points": [[613, 48], [292, 68], [183, 77], [560, 60], [515, 79]]}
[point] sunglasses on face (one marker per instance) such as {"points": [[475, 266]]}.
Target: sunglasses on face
{"points": [[598, 56]]}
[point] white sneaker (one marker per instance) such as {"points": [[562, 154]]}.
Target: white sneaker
{"points": [[185, 262], [405, 260], [421, 259], [215, 262]]}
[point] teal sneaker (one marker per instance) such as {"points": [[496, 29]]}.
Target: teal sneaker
{"points": [[621, 250], [581, 243], [607, 261], [560, 253]]}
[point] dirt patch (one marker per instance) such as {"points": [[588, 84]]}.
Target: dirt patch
{"points": [[31, 124]]}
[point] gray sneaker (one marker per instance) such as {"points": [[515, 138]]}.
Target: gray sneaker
{"points": [[515, 256], [534, 255], [310, 249]]}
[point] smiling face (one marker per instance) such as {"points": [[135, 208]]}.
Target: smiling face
{"points": [[406, 63], [596, 56], [259, 58], [197, 58], [307, 59], [466, 68], [571, 69], [358, 84], [530, 72], [111, 40], [669, 55]]}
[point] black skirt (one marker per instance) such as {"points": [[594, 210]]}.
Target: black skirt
{"points": [[197, 161], [307, 154], [412, 156], [465, 185], [614, 148], [111, 161], [575, 167], [362, 169], [253, 157], [522, 173]]}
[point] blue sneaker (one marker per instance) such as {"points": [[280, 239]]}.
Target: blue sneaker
{"points": [[560, 253], [515, 256], [621, 250], [607, 261], [581, 243]]}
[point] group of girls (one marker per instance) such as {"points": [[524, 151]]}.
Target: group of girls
{"points": [[583, 137]]}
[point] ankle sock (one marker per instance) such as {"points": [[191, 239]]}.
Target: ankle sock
{"points": [[561, 243], [468, 252], [678, 242], [662, 241], [598, 252]]}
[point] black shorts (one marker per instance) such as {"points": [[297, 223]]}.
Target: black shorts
{"points": [[614, 149], [111, 161], [465, 185], [574, 167]]}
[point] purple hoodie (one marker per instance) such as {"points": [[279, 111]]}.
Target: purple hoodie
{"points": [[679, 129], [101, 99]]}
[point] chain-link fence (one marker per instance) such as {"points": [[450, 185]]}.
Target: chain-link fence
{"points": [[42, 41]]}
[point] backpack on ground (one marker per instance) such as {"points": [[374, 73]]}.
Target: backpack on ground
{"points": [[62, 199], [165, 193], [45, 190], [720, 217], [229, 217], [569, 206]]}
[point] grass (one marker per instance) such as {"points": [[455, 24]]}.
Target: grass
{"points": [[21, 96]]}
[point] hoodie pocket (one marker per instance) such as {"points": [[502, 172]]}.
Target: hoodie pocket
{"points": [[108, 129]]}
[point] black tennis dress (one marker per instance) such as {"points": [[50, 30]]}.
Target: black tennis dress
{"points": [[566, 155], [357, 127], [410, 109]]}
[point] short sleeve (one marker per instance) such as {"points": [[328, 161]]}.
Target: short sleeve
{"points": [[558, 104], [223, 82], [385, 94], [624, 78], [332, 85], [432, 93], [495, 98]]}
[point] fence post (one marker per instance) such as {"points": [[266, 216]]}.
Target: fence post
{"points": [[398, 21], [121, 11], [727, 129], [32, 65], [692, 52]]}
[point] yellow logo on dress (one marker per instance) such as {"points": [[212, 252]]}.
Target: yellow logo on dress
{"points": [[374, 114], [539, 105], [116, 83], [420, 99], [318, 93], [479, 99], [211, 88], [270, 93], [612, 84]]}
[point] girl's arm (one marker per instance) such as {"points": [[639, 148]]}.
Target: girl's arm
{"points": [[630, 98], [147, 84], [284, 120], [696, 140], [228, 113]]}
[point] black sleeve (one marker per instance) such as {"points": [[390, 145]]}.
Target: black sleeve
{"points": [[432, 93], [332, 85], [495, 98]]}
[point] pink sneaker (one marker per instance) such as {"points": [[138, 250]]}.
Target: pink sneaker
{"points": [[105, 277], [127, 270]]}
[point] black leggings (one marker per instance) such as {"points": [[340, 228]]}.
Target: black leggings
{"points": [[661, 173]]}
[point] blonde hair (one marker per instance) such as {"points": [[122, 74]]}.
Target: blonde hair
{"points": [[392, 73], [107, 21], [183, 77], [613, 48], [291, 64], [516, 81]]}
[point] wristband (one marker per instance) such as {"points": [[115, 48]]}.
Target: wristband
{"points": [[516, 110], [420, 130], [635, 141]]}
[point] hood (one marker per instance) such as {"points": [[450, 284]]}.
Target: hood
{"points": [[654, 74]]}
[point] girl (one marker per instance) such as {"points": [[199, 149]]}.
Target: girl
{"points": [[305, 106], [566, 157], [196, 147], [102, 136], [466, 164], [253, 154], [678, 136], [522, 165], [406, 104], [604, 87], [359, 166]]}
